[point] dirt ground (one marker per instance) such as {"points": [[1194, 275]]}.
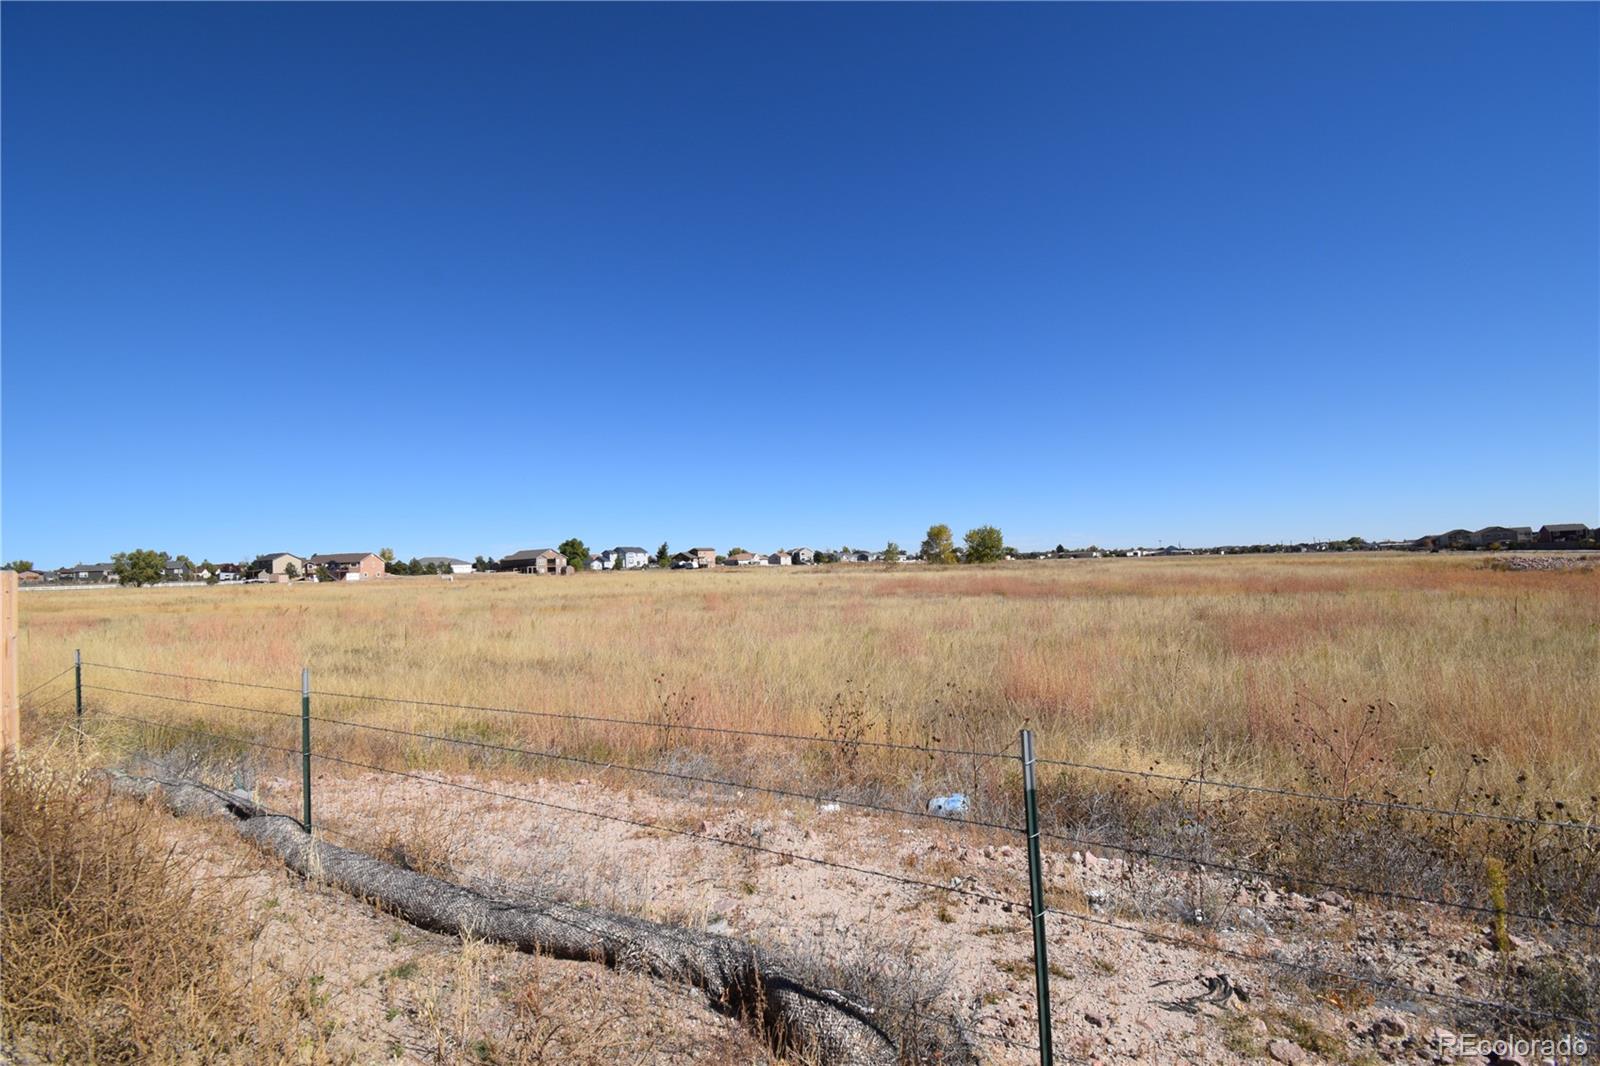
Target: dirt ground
{"points": [[382, 989], [362, 986]]}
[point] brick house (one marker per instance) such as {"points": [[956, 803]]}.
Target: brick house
{"points": [[348, 566]]}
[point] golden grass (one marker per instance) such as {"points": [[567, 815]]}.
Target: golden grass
{"points": [[117, 948], [1122, 661]]}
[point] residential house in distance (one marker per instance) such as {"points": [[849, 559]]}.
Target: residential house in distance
{"points": [[704, 557], [746, 559], [348, 566], [780, 558], [536, 561], [598, 562], [1506, 535], [89, 573], [632, 558], [1565, 533], [802, 556], [446, 564], [854, 556], [685, 561], [1455, 538], [29, 577], [274, 566]]}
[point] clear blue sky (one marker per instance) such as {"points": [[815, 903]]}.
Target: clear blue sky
{"points": [[472, 278]]}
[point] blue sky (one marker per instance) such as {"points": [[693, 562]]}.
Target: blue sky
{"points": [[472, 278]]}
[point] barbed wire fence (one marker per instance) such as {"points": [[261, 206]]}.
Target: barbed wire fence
{"points": [[316, 742]]}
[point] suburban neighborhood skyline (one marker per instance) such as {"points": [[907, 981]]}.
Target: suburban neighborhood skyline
{"points": [[1548, 536]]}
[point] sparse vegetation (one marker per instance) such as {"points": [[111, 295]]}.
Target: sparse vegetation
{"points": [[114, 950], [1424, 679]]}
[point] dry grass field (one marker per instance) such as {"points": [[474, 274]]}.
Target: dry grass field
{"points": [[1428, 680], [1234, 660]]}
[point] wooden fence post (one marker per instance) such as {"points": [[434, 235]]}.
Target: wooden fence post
{"points": [[10, 718]]}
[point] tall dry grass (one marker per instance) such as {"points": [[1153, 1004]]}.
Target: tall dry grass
{"points": [[1430, 680], [120, 946], [1118, 661]]}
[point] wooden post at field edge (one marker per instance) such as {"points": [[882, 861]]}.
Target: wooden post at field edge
{"points": [[10, 720]]}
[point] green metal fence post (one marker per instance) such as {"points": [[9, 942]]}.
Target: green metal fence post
{"points": [[1041, 964], [77, 675], [305, 746]]}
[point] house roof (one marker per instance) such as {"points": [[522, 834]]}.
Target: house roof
{"points": [[702, 551], [93, 568], [341, 557], [529, 553], [793, 551], [742, 555], [276, 555], [1565, 527], [624, 551], [427, 560]]}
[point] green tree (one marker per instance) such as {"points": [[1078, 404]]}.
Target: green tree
{"points": [[985, 545], [386, 554], [1061, 549], [736, 551], [323, 575], [663, 556], [479, 563], [21, 566], [292, 572], [576, 551], [616, 561], [939, 546], [142, 566], [891, 552]]}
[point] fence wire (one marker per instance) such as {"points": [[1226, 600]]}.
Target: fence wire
{"points": [[1383, 984], [1315, 797]]}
